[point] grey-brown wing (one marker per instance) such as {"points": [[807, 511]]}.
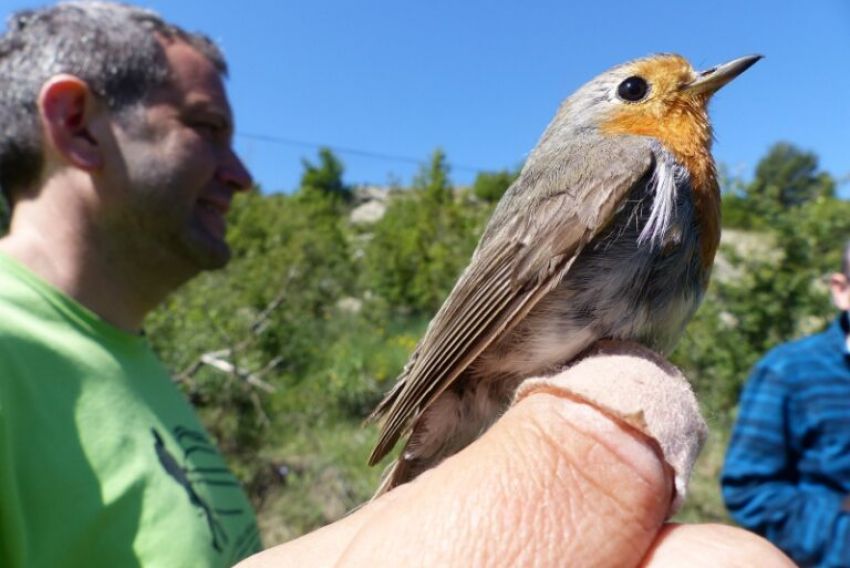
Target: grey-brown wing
{"points": [[536, 232]]}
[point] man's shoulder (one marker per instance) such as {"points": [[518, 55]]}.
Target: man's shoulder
{"points": [[30, 323], [810, 344], [15, 317], [19, 307], [29, 306], [809, 353]]}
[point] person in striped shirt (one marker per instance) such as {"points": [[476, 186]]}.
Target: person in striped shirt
{"points": [[787, 470]]}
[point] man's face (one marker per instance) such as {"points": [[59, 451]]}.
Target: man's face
{"points": [[171, 188]]}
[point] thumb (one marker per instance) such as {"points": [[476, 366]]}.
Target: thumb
{"points": [[556, 480]]}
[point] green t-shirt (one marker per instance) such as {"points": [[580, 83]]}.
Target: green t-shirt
{"points": [[102, 460]]}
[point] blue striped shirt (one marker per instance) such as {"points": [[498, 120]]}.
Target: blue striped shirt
{"points": [[787, 470]]}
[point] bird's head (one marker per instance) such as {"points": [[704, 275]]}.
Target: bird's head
{"points": [[660, 96]]}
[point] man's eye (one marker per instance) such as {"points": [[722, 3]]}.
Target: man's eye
{"points": [[207, 127]]}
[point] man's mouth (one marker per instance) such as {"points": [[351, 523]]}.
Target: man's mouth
{"points": [[212, 213], [220, 204]]}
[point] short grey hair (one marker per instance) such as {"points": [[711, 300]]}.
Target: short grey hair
{"points": [[116, 49]]}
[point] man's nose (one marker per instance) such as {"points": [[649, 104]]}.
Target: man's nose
{"points": [[233, 173]]}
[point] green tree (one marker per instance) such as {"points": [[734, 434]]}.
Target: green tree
{"points": [[432, 181], [786, 178], [490, 186], [790, 177], [326, 176], [418, 249]]}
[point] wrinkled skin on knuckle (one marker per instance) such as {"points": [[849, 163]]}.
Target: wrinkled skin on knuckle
{"points": [[588, 477]]}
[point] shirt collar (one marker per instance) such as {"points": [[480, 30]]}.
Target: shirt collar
{"points": [[841, 327]]}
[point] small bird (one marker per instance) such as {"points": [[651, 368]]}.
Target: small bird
{"points": [[609, 232]]}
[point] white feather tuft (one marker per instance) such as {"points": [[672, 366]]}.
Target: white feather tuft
{"points": [[666, 179]]}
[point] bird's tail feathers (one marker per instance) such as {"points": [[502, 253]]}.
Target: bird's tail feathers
{"points": [[396, 473]]}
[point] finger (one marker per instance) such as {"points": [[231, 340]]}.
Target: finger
{"points": [[637, 386], [556, 480], [712, 546], [553, 482]]}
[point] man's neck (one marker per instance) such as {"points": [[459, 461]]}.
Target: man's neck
{"points": [[82, 264]]}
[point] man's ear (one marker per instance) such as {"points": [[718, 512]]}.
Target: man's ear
{"points": [[66, 106], [839, 288]]}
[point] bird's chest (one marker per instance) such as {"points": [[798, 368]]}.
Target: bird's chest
{"points": [[636, 283], [618, 288], [641, 279]]}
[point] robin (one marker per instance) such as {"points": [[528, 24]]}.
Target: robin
{"points": [[609, 232]]}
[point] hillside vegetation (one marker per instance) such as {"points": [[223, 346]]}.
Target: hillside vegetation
{"points": [[287, 350]]}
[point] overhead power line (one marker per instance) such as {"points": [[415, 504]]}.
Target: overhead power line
{"points": [[345, 150]]}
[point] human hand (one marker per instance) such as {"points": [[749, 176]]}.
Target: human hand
{"points": [[555, 482]]}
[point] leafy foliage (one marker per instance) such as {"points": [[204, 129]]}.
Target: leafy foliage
{"points": [[786, 178], [490, 186], [326, 177], [418, 249]]}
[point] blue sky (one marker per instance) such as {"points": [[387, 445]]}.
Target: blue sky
{"points": [[481, 79]]}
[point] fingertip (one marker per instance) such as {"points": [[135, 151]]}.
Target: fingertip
{"points": [[713, 545]]}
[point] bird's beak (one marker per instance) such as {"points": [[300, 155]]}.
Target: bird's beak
{"points": [[711, 80]]}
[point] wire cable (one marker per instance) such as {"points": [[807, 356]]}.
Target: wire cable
{"points": [[345, 150]]}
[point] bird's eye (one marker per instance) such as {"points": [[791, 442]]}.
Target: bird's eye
{"points": [[633, 89]]}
